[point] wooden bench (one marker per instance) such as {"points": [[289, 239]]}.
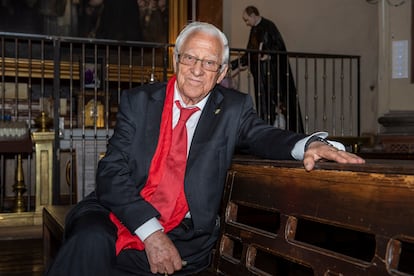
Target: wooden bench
{"points": [[279, 219], [336, 220], [53, 228]]}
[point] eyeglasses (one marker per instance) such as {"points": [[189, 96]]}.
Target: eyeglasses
{"points": [[209, 65]]}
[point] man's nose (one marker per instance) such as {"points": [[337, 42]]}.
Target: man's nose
{"points": [[197, 68]]}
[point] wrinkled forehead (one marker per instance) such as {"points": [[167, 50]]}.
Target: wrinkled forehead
{"points": [[201, 37]]}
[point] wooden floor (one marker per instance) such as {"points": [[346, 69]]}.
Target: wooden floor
{"points": [[21, 251]]}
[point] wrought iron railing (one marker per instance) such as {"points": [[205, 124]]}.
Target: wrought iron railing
{"points": [[77, 82]]}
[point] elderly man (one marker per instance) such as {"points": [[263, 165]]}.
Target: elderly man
{"points": [[154, 211]]}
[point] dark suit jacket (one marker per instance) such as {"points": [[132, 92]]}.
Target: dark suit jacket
{"points": [[227, 121]]}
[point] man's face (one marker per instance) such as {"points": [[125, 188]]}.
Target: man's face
{"points": [[249, 20], [195, 82]]}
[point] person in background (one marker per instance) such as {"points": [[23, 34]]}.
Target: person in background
{"points": [[273, 89], [142, 221]]}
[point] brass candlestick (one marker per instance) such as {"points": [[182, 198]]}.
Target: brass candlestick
{"points": [[19, 187], [43, 122]]}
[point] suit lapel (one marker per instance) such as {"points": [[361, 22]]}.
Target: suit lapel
{"points": [[152, 123], [206, 125]]}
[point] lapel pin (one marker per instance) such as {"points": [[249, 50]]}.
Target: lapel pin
{"points": [[217, 111]]}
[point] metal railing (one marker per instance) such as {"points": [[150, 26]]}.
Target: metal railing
{"points": [[78, 83], [318, 91]]}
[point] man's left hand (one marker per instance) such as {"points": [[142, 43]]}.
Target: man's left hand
{"points": [[319, 150], [265, 57]]}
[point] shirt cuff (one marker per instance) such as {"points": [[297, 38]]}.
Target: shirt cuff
{"points": [[298, 150], [148, 228]]}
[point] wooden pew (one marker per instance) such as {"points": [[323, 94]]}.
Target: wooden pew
{"points": [[336, 220], [53, 228]]}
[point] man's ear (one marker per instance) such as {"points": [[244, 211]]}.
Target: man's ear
{"points": [[223, 73]]}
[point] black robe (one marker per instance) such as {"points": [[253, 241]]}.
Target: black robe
{"points": [[273, 85]]}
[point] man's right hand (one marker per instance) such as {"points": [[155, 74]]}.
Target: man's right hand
{"points": [[162, 254]]}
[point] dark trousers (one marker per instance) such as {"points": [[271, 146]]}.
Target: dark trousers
{"points": [[89, 246]]}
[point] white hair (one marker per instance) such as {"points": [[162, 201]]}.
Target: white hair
{"points": [[203, 28]]}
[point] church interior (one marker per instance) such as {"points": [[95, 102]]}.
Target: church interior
{"points": [[349, 66]]}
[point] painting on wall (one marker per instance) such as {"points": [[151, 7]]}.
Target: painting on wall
{"points": [[51, 23], [135, 20]]}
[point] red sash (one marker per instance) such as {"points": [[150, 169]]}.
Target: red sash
{"points": [[126, 239]]}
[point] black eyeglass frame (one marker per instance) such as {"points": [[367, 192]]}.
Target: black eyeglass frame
{"points": [[204, 62]]}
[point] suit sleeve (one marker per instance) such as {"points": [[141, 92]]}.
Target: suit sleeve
{"points": [[118, 187], [263, 140]]}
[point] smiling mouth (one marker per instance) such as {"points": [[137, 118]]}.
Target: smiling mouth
{"points": [[194, 80]]}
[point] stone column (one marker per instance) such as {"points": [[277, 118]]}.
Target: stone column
{"points": [[44, 167]]}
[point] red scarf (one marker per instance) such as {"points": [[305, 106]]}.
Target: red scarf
{"points": [[126, 239]]}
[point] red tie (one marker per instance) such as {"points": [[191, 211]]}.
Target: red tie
{"points": [[169, 198]]}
